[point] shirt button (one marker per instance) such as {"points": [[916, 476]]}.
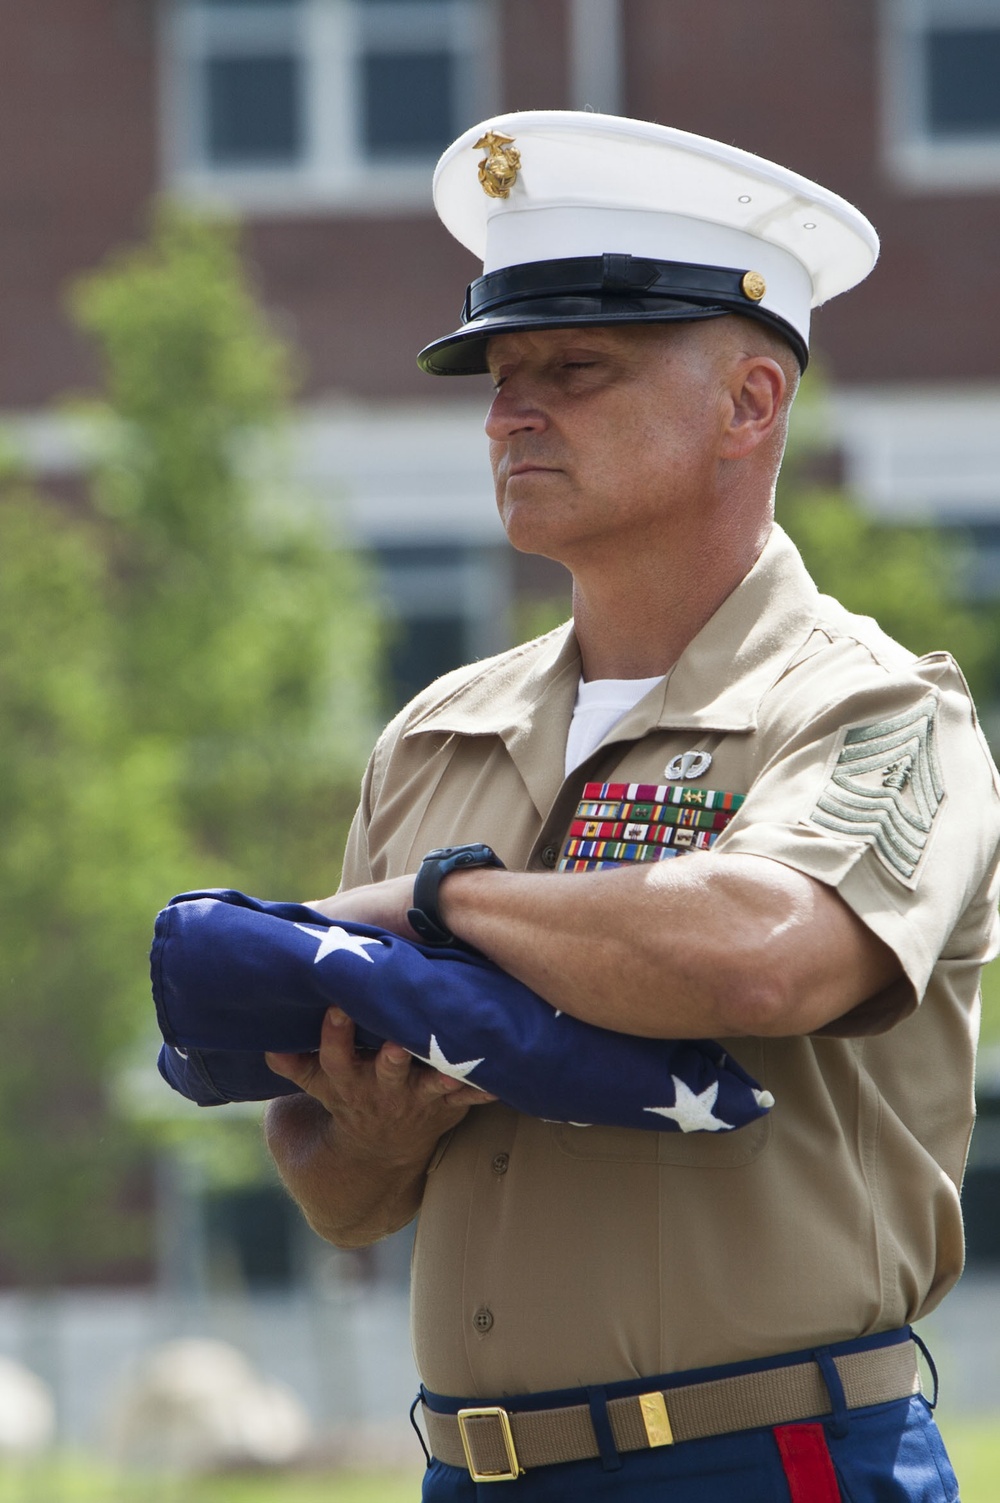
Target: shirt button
{"points": [[550, 855], [500, 1163], [483, 1319]]}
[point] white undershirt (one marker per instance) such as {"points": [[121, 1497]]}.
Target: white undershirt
{"points": [[599, 706]]}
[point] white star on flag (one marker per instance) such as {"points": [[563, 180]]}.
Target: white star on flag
{"points": [[693, 1113], [436, 1057], [338, 939]]}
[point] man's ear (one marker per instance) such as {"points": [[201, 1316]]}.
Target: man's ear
{"points": [[756, 393]]}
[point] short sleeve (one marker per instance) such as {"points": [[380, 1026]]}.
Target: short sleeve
{"points": [[888, 794], [357, 870]]}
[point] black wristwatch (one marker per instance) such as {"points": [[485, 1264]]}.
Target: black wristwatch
{"points": [[424, 916]]}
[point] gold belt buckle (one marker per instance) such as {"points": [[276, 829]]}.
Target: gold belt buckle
{"points": [[655, 1419], [514, 1468]]}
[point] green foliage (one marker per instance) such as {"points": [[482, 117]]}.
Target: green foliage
{"points": [[245, 638], [185, 670], [990, 1034], [87, 844], [907, 577], [534, 618]]}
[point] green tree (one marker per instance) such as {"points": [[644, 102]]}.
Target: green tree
{"points": [[909, 577], [186, 669], [245, 639], [87, 844]]}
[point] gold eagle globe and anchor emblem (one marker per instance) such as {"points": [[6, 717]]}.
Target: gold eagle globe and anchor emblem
{"points": [[499, 168]]}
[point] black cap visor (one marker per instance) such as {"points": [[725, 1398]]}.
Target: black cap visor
{"points": [[593, 290]]}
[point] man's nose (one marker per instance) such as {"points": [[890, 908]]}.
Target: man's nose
{"points": [[514, 410]]}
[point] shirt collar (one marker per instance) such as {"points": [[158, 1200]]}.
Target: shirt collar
{"points": [[716, 684], [720, 678]]}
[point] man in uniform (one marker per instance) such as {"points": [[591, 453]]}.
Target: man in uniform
{"points": [[726, 808]]}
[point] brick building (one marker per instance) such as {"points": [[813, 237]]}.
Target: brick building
{"points": [[319, 121]]}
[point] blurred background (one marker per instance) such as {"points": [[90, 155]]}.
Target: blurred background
{"points": [[238, 528]]}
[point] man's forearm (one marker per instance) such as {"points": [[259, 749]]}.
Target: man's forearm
{"points": [[709, 947], [704, 947], [348, 1197]]}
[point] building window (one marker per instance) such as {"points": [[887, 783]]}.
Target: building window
{"points": [[445, 605], [942, 92], [253, 109], [963, 82], [283, 104], [389, 81]]}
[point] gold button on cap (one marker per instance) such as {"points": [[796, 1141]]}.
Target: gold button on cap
{"points": [[753, 285]]}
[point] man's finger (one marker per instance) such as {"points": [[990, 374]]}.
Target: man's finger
{"points": [[299, 1068], [461, 1091], [336, 1042], [392, 1064], [468, 1095]]}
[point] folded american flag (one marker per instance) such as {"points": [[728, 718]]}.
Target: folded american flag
{"points": [[234, 976]]}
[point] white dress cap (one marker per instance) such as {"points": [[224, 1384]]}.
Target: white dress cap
{"points": [[553, 185]]}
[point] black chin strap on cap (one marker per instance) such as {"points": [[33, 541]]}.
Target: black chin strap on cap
{"points": [[606, 289], [622, 275]]}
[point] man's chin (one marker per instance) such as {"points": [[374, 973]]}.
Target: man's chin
{"points": [[530, 530]]}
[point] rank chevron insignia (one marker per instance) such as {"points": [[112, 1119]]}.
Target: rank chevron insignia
{"points": [[886, 787]]}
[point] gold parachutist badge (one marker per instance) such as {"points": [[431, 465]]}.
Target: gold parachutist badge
{"points": [[499, 168]]}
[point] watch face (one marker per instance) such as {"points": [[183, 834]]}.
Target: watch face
{"points": [[424, 917], [474, 854]]}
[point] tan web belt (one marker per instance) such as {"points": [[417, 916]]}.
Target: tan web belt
{"points": [[497, 1446]]}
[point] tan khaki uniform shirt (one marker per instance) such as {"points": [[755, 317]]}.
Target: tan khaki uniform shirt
{"points": [[550, 1256]]}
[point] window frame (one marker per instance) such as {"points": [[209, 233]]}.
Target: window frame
{"points": [[334, 174], [917, 159]]}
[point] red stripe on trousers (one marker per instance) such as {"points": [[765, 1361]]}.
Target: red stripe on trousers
{"points": [[808, 1467]]}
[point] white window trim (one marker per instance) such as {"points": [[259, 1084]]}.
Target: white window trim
{"points": [[333, 177], [915, 160], [922, 452], [595, 55]]}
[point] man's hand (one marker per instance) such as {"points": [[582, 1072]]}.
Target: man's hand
{"points": [[354, 1151], [389, 1106], [382, 904]]}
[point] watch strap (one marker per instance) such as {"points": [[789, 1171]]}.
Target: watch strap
{"points": [[425, 916]]}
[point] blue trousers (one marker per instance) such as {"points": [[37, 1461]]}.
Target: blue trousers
{"points": [[888, 1453]]}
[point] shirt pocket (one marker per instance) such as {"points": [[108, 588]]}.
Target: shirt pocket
{"points": [[696, 1150]]}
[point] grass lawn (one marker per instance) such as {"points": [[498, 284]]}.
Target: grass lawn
{"points": [[85, 1481], [974, 1446], [991, 1003]]}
